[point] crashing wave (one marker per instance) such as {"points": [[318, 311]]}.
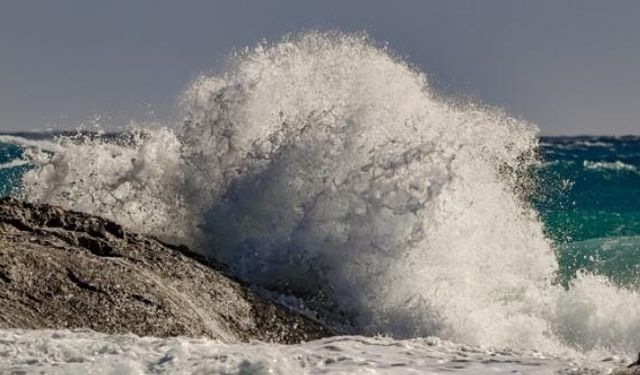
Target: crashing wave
{"points": [[324, 167]]}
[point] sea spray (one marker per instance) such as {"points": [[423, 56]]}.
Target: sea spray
{"points": [[324, 167], [134, 179]]}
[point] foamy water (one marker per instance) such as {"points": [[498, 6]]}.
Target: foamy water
{"points": [[325, 168], [81, 352]]}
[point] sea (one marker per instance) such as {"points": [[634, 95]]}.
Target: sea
{"points": [[433, 234]]}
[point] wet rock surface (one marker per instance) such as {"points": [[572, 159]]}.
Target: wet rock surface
{"points": [[62, 269]]}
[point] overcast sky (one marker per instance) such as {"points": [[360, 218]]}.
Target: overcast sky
{"points": [[573, 67]]}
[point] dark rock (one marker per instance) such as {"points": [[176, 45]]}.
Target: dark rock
{"points": [[62, 269]]}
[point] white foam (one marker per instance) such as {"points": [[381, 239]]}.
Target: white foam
{"points": [[81, 352], [135, 183]]}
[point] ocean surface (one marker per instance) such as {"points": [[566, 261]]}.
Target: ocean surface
{"points": [[591, 209], [434, 235]]}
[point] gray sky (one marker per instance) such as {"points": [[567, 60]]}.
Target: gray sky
{"points": [[573, 67]]}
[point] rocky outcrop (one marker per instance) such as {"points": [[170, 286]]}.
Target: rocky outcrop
{"points": [[61, 269]]}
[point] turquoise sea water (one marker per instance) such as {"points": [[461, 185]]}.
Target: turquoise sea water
{"points": [[10, 173], [588, 197], [590, 204]]}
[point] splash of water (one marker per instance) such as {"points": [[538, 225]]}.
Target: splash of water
{"points": [[327, 168]]}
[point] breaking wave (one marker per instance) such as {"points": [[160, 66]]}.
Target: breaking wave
{"points": [[326, 168]]}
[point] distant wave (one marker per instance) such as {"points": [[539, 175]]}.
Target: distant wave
{"points": [[43, 145], [14, 163], [548, 164], [613, 166], [596, 144]]}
